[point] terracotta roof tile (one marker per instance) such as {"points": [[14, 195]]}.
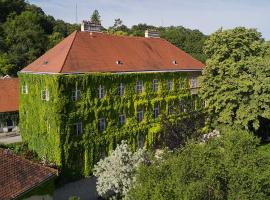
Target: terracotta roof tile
{"points": [[19, 175], [9, 94], [83, 52]]}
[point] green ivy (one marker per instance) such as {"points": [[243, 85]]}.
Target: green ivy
{"points": [[78, 154]]}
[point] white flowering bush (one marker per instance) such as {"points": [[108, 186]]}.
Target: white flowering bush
{"points": [[116, 173]]}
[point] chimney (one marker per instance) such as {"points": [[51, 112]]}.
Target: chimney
{"points": [[90, 27], [152, 34]]}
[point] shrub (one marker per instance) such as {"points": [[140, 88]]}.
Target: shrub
{"points": [[115, 174]]}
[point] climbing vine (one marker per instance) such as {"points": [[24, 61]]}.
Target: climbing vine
{"points": [[48, 126]]}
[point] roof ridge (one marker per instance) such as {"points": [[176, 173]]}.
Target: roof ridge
{"points": [[68, 50]]}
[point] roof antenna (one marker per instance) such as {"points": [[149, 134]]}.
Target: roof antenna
{"points": [[76, 14]]}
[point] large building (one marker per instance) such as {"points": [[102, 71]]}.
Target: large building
{"points": [[93, 90], [9, 105]]}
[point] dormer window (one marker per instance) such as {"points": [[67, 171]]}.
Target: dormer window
{"points": [[101, 91], [45, 96], [174, 62], [24, 89], [119, 62]]}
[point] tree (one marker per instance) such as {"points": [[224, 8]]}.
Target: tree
{"points": [[115, 173], [235, 80], [25, 39], [95, 17], [5, 66], [227, 167]]}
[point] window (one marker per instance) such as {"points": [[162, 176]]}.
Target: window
{"points": [[101, 92], [139, 87], [76, 94], [170, 85], [122, 119], [182, 106], [192, 105], [156, 112], [193, 82], [155, 85], [170, 109], [24, 89], [121, 89], [139, 115], [45, 95], [48, 127], [101, 124], [78, 129]]}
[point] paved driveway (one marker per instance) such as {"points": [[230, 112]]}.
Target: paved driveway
{"points": [[10, 139], [84, 188]]}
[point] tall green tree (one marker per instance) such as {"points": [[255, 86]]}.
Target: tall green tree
{"points": [[25, 39], [235, 81], [95, 17]]}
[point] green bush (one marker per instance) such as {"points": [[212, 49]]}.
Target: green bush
{"points": [[227, 167]]}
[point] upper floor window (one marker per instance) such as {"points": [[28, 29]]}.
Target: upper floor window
{"points": [[78, 128], [140, 115], [156, 111], [155, 85], [76, 94], [101, 124], [121, 89], [24, 89], [170, 85], [193, 82], [122, 119], [101, 91], [45, 95], [139, 87]]}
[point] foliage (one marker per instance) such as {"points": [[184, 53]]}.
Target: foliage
{"points": [[95, 17], [116, 173], [174, 133], [235, 81], [48, 125], [26, 32], [227, 167]]}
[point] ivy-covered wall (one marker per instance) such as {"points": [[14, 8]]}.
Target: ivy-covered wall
{"points": [[48, 128]]}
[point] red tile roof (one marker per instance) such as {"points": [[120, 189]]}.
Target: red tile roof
{"points": [[83, 52], [18, 175], [9, 95]]}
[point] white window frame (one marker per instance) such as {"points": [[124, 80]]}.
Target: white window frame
{"points": [[155, 85], [170, 85], [101, 124], [121, 89], [24, 89], [78, 128], [156, 111], [101, 91], [122, 119], [193, 82], [45, 95], [139, 87], [140, 115], [76, 94]]}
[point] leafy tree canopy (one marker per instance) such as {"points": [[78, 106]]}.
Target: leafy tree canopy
{"points": [[236, 79], [95, 17], [226, 167]]}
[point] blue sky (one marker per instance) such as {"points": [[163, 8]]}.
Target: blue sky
{"points": [[205, 15]]}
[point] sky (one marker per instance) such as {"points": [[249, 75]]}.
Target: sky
{"points": [[204, 15]]}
